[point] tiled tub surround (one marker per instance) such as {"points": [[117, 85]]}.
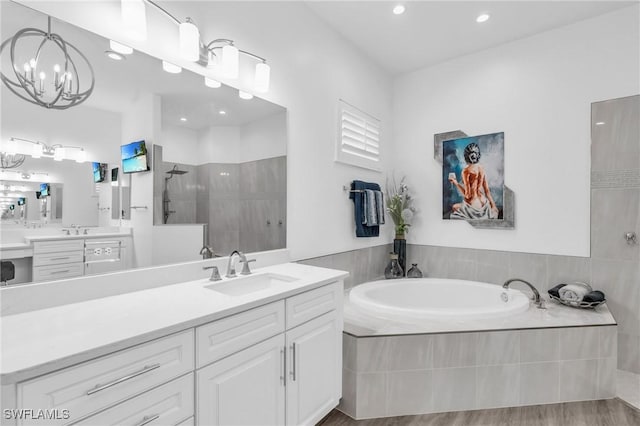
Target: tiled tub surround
{"points": [[425, 373]]}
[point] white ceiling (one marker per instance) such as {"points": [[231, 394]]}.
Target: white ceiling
{"points": [[118, 83], [430, 32]]}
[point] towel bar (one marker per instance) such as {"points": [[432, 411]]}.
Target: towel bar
{"points": [[346, 188]]}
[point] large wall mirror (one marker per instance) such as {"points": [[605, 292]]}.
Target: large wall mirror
{"points": [[218, 161]]}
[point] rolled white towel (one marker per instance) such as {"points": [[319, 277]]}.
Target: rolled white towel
{"points": [[573, 292]]}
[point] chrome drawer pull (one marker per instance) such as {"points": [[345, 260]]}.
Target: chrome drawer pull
{"points": [[148, 419], [60, 258], [59, 272], [146, 369], [282, 366], [110, 243]]}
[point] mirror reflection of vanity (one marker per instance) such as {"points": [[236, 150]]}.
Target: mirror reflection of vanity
{"points": [[217, 166]]}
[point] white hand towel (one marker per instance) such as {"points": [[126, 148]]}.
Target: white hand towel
{"points": [[573, 292]]}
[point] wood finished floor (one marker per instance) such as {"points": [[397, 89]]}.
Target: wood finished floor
{"points": [[611, 412]]}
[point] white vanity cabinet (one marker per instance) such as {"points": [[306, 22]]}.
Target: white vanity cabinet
{"points": [[68, 258], [291, 378]]}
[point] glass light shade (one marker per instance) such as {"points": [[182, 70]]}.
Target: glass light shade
{"points": [[261, 81], [209, 82], [189, 41], [120, 48], [37, 150], [245, 95], [134, 19], [81, 156], [59, 154], [11, 147], [230, 61], [171, 68]]}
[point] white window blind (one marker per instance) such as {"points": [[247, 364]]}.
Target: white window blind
{"points": [[358, 138]]}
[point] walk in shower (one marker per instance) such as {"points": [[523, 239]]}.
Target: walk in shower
{"points": [[166, 201]]}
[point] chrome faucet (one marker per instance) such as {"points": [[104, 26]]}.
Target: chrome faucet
{"points": [[206, 252], [231, 266], [215, 274], [536, 295]]}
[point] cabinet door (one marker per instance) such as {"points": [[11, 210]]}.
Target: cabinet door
{"points": [[314, 368], [246, 388]]}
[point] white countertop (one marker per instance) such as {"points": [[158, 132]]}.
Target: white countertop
{"points": [[360, 324], [14, 246], [41, 341], [34, 238]]}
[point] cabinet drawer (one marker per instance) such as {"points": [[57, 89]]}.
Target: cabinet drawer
{"points": [[44, 259], [57, 272], [169, 404], [94, 385], [57, 246], [308, 305], [226, 336]]}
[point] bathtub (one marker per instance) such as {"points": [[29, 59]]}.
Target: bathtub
{"points": [[437, 298]]}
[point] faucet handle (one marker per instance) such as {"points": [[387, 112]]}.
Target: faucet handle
{"points": [[215, 273], [245, 267]]}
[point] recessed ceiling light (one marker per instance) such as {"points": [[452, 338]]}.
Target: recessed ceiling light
{"points": [[222, 112], [599, 123], [399, 9], [245, 95], [171, 68], [183, 118], [483, 17], [114, 55]]}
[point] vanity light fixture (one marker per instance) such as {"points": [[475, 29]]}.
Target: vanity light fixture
{"points": [[171, 68], [120, 48], [483, 17], [220, 54], [36, 149], [399, 9], [245, 95], [210, 82], [49, 85]]}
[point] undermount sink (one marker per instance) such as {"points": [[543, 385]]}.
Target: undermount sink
{"points": [[250, 284]]}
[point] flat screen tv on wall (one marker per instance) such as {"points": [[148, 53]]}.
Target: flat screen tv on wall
{"points": [[21, 201], [99, 172], [44, 190], [134, 157]]}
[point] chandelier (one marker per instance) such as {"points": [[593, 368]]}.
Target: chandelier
{"points": [[56, 87], [11, 161]]}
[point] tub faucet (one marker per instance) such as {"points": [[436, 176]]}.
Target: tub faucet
{"points": [[536, 295]]}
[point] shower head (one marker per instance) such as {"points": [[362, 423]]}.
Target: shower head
{"points": [[176, 171]]}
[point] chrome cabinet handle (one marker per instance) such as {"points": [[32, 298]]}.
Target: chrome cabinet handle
{"points": [[148, 419], [146, 369], [59, 258], [293, 362], [59, 272]]}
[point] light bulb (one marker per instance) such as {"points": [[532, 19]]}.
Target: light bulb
{"points": [[230, 61], [26, 67], [33, 63], [120, 48], [56, 68], [261, 80], [37, 150], [484, 17], [399, 9], [245, 95], [210, 82], [42, 75], [189, 41], [171, 68], [134, 19]]}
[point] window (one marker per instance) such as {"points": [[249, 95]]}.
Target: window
{"points": [[358, 138]]}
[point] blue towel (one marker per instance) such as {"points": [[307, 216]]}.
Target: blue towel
{"points": [[362, 230], [370, 208]]}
